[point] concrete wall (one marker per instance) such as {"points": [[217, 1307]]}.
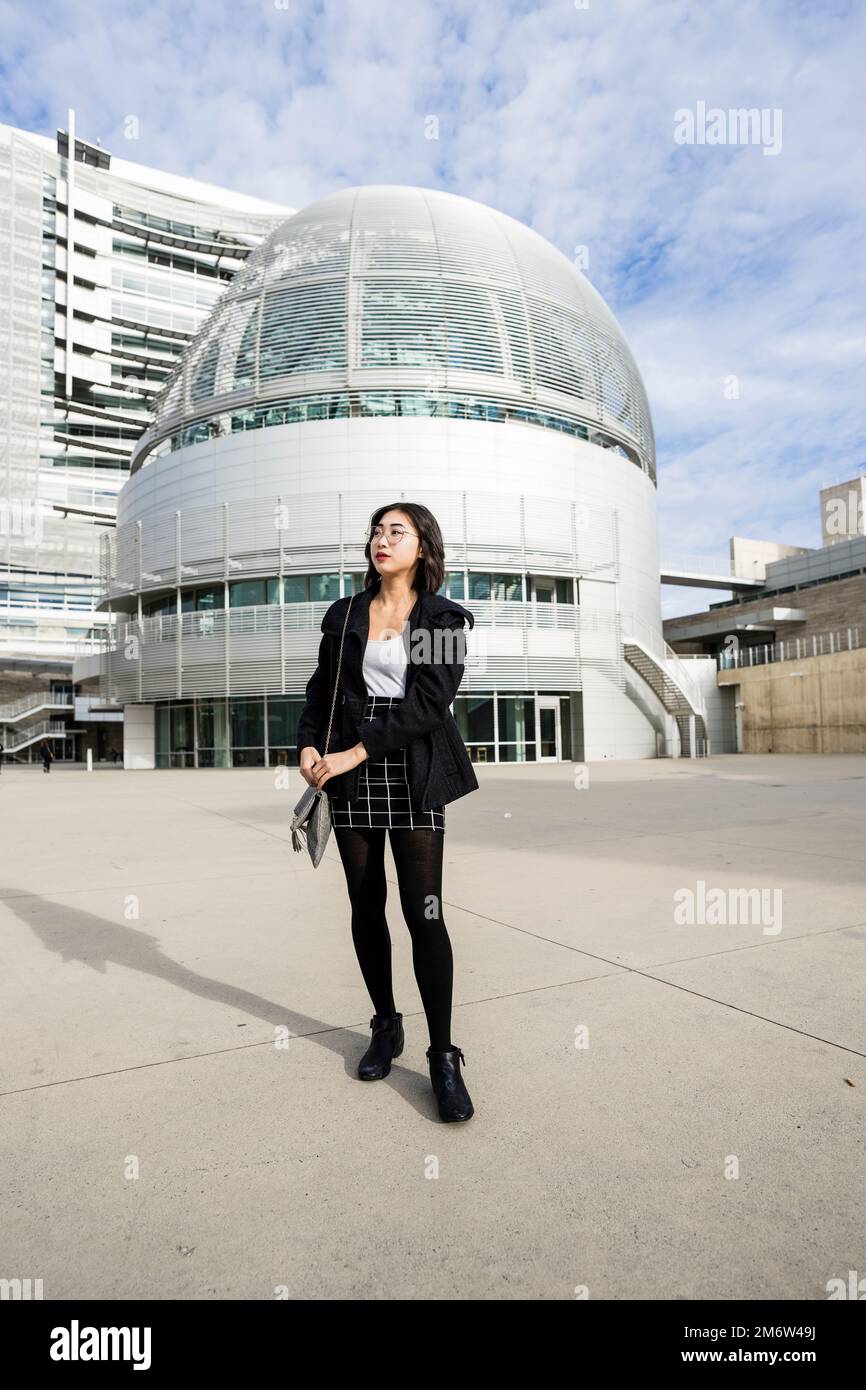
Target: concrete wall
{"points": [[15, 685], [721, 715], [613, 725], [817, 705], [749, 559]]}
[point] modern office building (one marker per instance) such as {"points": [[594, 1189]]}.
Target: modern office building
{"points": [[107, 269], [790, 642], [384, 344]]}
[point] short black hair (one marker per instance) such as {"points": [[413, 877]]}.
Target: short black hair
{"points": [[430, 574]]}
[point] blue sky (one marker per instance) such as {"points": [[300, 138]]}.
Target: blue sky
{"points": [[720, 261]]}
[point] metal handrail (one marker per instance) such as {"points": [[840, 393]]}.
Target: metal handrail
{"points": [[49, 728], [41, 697], [91, 646], [306, 617], [665, 655]]}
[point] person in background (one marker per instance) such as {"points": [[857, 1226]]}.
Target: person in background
{"points": [[47, 757]]}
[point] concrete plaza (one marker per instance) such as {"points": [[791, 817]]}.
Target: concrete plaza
{"points": [[665, 1109]]}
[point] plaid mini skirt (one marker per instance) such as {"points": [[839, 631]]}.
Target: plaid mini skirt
{"points": [[384, 799]]}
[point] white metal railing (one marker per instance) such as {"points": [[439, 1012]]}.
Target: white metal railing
{"points": [[202, 546], [43, 645], [307, 617], [650, 638], [271, 647], [792, 649], [48, 728], [13, 711], [60, 607], [90, 646], [696, 564]]}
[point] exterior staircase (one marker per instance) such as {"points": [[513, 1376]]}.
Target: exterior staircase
{"points": [[20, 710], [658, 664], [34, 733]]}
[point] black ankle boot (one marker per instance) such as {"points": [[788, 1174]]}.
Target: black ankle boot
{"points": [[386, 1043], [451, 1093]]}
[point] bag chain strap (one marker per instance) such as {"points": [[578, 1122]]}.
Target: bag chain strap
{"points": [[337, 677]]}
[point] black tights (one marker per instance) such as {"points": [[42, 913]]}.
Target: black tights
{"points": [[418, 860]]}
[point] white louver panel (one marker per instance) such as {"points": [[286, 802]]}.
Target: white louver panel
{"points": [[596, 541], [266, 536], [550, 534], [159, 551], [494, 519], [513, 647], [384, 288], [201, 543]]}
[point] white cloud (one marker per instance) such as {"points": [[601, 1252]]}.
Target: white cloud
{"points": [[717, 260]]}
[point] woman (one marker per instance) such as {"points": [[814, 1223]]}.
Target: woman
{"points": [[395, 758]]}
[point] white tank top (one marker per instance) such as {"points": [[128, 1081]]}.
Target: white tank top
{"points": [[385, 662]]}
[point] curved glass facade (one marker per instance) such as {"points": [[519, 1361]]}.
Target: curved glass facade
{"points": [[387, 403], [325, 588], [372, 288], [261, 731]]}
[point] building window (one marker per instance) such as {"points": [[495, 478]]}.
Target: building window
{"points": [[208, 599], [475, 720], [502, 587], [240, 731], [507, 586], [167, 604], [283, 716], [247, 593], [248, 733], [479, 586], [175, 739], [516, 734], [282, 354], [296, 588], [324, 588], [212, 730]]}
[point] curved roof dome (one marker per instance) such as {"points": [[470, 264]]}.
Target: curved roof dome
{"points": [[390, 287]]}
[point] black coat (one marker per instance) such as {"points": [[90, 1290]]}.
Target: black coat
{"points": [[438, 766]]}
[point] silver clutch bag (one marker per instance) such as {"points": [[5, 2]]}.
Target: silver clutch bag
{"points": [[311, 822]]}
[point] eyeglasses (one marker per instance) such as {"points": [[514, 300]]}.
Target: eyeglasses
{"points": [[396, 534]]}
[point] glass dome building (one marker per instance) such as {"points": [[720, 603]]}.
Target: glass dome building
{"points": [[384, 343]]}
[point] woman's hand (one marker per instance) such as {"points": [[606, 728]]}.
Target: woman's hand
{"points": [[309, 757], [317, 771]]}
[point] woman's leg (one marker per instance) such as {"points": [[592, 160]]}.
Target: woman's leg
{"points": [[362, 851], [418, 860]]}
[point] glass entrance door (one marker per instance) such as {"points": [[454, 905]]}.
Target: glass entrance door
{"points": [[547, 723]]}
